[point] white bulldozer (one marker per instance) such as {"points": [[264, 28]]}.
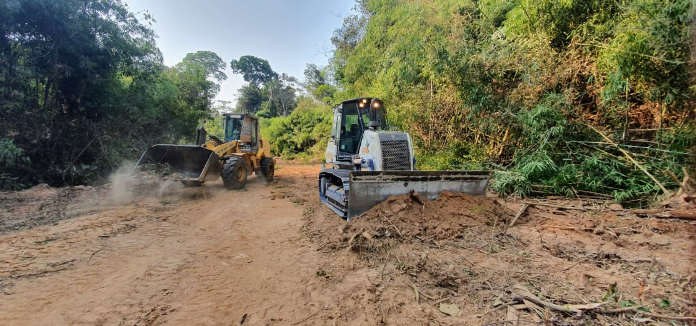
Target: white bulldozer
{"points": [[368, 163]]}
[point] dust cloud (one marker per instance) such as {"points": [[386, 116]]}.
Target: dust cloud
{"points": [[122, 184], [129, 184]]}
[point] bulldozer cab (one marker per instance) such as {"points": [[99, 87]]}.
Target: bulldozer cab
{"points": [[351, 119], [243, 128]]}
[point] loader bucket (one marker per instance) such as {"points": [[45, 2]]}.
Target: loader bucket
{"points": [[368, 188], [195, 163]]}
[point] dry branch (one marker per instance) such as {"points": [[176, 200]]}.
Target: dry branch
{"points": [[674, 178], [519, 213], [415, 290], [593, 307], [619, 310], [565, 207], [628, 156], [685, 214], [665, 317], [94, 253], [394, 226], [351, 242], [534, 299]]}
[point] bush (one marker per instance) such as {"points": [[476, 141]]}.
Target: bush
{"points": [[12, 166], [560, 157], [302, 135]]}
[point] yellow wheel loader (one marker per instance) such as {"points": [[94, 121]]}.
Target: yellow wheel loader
{"points": [[241, 153], [368, 162]]}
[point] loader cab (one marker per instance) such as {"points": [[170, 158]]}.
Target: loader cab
{"points": [[351, 119], [243, 128]]}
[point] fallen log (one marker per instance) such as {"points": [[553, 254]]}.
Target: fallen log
{"points": [[686, 214]]}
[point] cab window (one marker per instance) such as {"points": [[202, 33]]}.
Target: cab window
{"points": [[233, 129], [254, 133], [350, 129]]}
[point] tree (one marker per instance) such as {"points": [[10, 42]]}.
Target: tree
{"points": [[268, 94], [281, 96], [250, 99], [346, 37], [255, 70], [214, 66], [198, 76], [316, 83]]}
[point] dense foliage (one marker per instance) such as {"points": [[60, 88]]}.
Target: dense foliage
{"points": [[82, 87], [303, 134], [515, 86], [12, 159]]}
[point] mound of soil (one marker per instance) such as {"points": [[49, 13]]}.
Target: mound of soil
{"points": [[446, 217]]}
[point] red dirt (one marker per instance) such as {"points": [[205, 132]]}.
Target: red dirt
{"points": [[444, 218], [207, 256]]}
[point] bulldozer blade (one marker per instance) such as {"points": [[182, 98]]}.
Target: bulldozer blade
{"points": [[368, 188], [196, 163]]}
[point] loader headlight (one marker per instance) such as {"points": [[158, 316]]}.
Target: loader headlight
{"points": [[376, 105], [361, 105], [364, 101]]}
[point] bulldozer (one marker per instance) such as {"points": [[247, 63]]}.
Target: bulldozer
{"points": [[367, 162], [240, 153]]}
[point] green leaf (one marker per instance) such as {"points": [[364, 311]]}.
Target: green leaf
{"points": [[610, 293]]}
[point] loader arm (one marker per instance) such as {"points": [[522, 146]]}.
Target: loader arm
{"points": [[222, 150]]}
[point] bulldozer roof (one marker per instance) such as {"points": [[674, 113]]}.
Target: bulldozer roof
{"points": [[357, 99], [240, 115]]}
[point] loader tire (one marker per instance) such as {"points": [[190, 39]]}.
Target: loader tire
{"points": [[267, 169], [234, 173]]}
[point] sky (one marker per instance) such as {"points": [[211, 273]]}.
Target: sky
{"points": [[287, 33]]}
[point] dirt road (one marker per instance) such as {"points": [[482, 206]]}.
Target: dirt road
{"points": [[272, 255], [195, 256]]}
